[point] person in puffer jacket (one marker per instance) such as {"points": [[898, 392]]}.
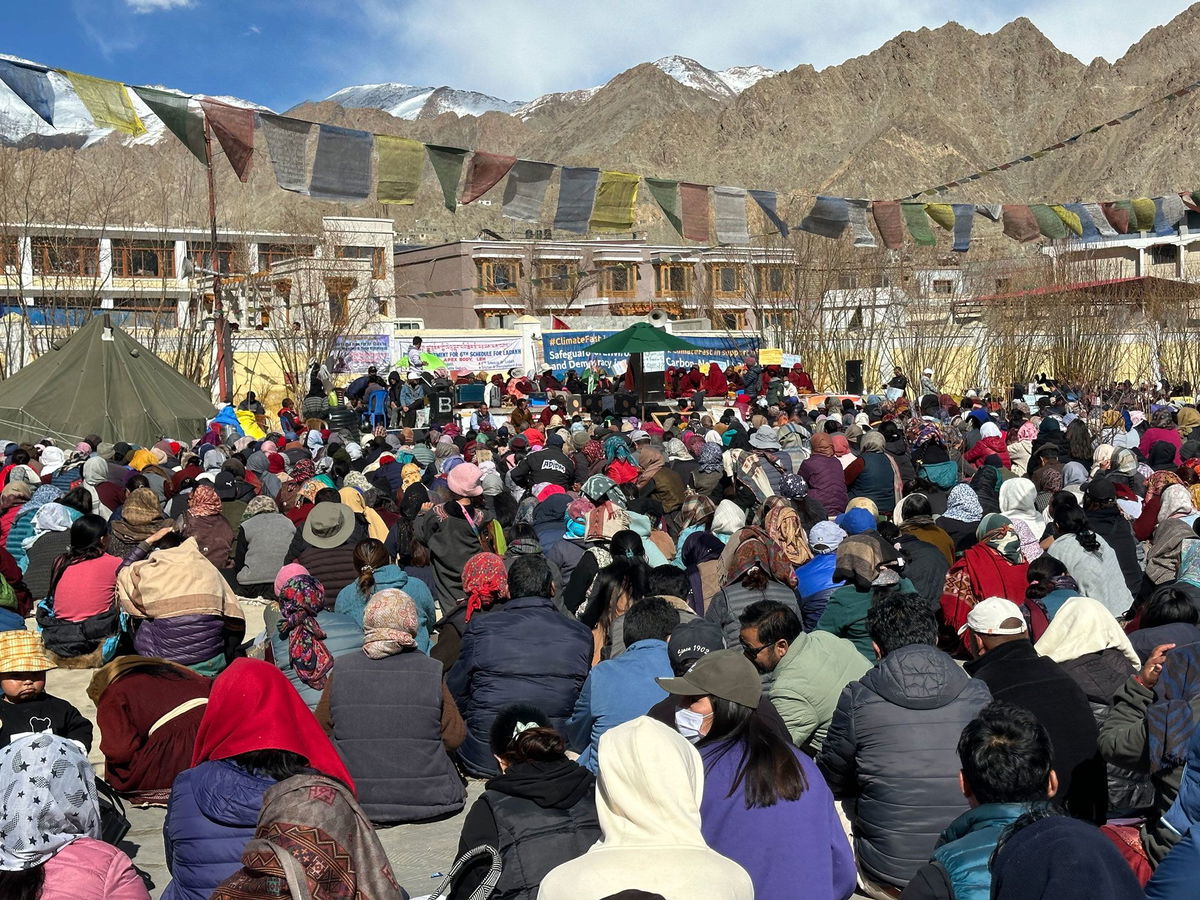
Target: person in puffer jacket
{"points": [[214, 805], [815, 582], [825, 476], [991, 441], [183, 608], [891, 745]]}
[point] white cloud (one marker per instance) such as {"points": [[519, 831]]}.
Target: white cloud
{"points": [[252, 30], [518, 49], [150, 6]]}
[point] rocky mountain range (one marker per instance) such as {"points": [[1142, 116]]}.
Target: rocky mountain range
{"points": [[928, 106]]}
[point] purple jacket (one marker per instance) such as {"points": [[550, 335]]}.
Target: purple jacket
{"points": [[183, 639], [826, 482], [790, 843]]}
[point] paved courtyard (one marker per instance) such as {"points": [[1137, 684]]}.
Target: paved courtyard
{"points": [[417, 852]]}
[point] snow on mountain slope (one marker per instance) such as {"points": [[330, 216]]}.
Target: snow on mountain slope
{"points": [[721, 85], [406, 101]]}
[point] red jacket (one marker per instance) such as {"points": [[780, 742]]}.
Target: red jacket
{"points": [[985, 447]]}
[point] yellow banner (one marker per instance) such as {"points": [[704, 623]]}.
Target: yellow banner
{"points": [[770, 356]]}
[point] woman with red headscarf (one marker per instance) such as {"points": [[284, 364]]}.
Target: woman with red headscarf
{"points": [[256, 732], [716, 384], [485, 583]]}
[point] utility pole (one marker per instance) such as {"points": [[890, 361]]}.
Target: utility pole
{"points": [[220, 326]]}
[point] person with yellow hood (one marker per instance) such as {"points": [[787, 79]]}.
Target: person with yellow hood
{"points": [[354, 496], [648, 803]]}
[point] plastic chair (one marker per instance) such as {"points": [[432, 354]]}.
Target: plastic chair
{"points": [[377, 409]]}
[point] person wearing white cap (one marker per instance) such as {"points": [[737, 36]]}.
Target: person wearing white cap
{"points": [[927, 384], [1014, 672]]}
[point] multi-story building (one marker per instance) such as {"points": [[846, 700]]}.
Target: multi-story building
{"points": [[152, 278]]}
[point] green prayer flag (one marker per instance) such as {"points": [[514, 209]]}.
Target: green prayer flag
{"points": [[1048, 222], [1143, 208], [181, 119], [399, 172], [942, 213], [666, 195], [918, 224], [615, 199], [447, 165]]}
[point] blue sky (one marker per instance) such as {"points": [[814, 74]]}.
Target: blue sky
{"points": [[280, 52]]}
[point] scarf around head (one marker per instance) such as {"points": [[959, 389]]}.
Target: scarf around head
{"points": [[258, 506], [784, 526], [601, 488], [301, 599], [962, 505], [484, 580], [996, 531], [709, 460], [48, 792], [617, 450], [204, 501], [329, 845], [753, 548], [141, 516], [389, 624]]}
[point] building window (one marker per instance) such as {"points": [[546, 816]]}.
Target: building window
{"points": [[143, 259], [943, 286], [10, 263], [770, 281], [271, 255], [672, 279], [733, 321], [847, 281], [228, 258], [339, 299], [374, 254], [382, 305], [145, 313], [619, 280], [497, 277], [51, 257], [726, 281], [555, 279]]}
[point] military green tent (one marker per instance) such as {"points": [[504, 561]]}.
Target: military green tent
{"points": [[103, 382]]}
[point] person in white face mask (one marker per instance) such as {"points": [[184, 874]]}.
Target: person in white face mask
{"points": [[766, 805]]}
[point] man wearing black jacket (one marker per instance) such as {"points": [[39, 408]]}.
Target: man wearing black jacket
{"points": [[548, 466], [1007, 662]]}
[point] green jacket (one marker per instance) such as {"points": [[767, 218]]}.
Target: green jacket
{"points": [[846, 616], [808, 681], [1123, 741]]}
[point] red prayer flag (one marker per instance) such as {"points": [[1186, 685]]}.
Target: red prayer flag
{"points": [[697, 213], [234, 128], [484, 172]]}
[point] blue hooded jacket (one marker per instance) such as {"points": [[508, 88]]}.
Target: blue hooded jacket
{"points": [[352, 603]]}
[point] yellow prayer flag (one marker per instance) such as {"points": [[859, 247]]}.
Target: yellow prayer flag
{"points": [[399, 172], [942, 213], [615, 199], [107, 101], [1143, 209], [1072, 221]]}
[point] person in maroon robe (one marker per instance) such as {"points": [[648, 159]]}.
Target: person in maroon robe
{"points": [[801, 379], [716, 384]]}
